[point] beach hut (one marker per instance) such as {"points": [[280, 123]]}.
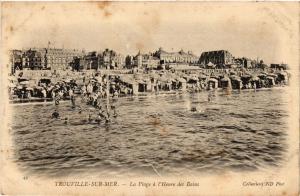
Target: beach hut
{"points": [[44, 80], [246, 80], [236, 82], [130, 83], [271, 81], [182, 83], [25, 82], [262, 76], [193, 79], [202, 76], [255, 82], [144, 85], [212, 83], [29, 92], [282, 77], [225, 83]]}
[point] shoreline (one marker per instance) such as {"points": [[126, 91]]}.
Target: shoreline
{"points": [[48, 101]]}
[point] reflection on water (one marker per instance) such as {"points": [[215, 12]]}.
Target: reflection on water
{"points": [[156, 135]]}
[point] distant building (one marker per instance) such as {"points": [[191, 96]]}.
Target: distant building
{"points": [[245, 62], [31, 59], [59, 59], [219, 58], [89, 61], [279, 66], [129, 62], [44, 58], [119, 61], [146, 61], [15, 60], [110, 59], [176, 57]]}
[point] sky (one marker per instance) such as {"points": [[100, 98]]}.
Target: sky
{"points": [[267, 31]]}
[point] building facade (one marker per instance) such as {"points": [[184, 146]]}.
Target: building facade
{"points": [[107, 59], [31, 59], [15, 60], [43, 58], [219, 57], [110, 59], [245, 62], [129, 62], [146, 61], [279, 66], [89, 61], [176, 57], [59, 59]]}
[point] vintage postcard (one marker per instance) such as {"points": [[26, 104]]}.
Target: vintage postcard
{"points": [[149, 98]]}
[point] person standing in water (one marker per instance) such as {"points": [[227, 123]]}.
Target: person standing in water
{"points": [[90, 118], [113, 107], [55, 114], [72, 97]]}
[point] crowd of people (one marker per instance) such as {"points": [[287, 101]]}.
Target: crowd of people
{"points": [[94, 87], [101, 92], [92, 94]]}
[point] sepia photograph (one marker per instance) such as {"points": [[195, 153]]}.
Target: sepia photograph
{"points": [[149, 98]]}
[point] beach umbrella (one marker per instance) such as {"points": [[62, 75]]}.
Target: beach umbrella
{"points": [[263, 72], [255, 78], [194, 77], [232, 73], [12, 78], [24, 82], [212, 80], [235, 78], [272, 75], [261, 76], [202, 76], [246, 76], [67, 80], [93, 80], [12, 85], [182, 80], [225, 79], [210, 64], [39, 87]]}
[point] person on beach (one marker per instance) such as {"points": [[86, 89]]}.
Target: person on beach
{"points": [[99, 118], [61, 94], [53, 94], [101, 112], [56, 99], [44, 92], [55, 114], [72, 97], [90, 118], [89, 89], [113, 107], [83, 90], [66, 120], [193, 109], [98, 102], [107, 118]]}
